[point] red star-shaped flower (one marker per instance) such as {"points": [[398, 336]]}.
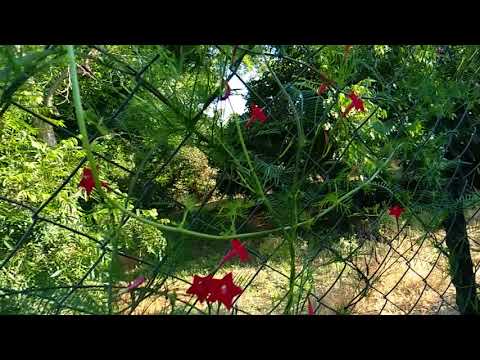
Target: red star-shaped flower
{"points": [[356, 103], [256, 113], [201, 287], [224, 290], [238, 249], [322, 89], [88, 183], [396, 211]]}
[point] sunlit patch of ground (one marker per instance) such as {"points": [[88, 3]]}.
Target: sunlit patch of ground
{"points": [[407, 276]]}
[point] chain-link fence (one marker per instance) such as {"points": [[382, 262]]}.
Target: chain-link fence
{"points": [[352, 263]]}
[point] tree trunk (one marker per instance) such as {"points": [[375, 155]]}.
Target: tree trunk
{"points": [[461, 265], [46, 133]]}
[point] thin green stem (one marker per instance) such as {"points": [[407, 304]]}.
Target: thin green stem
{"points": [[77, 102], [294, 192], [252, 169], [195, 234]]}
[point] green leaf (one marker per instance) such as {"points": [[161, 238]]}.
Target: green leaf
{"points": [[56, 273], [8, 245]]}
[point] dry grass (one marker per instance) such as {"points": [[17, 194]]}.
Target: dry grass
{"points": [[410, 273]]}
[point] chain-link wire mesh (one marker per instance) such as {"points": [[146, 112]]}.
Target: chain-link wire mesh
{"points": [[373, 267]]}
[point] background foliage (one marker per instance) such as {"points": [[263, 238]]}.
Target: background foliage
{"points": [[170, 162]]}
